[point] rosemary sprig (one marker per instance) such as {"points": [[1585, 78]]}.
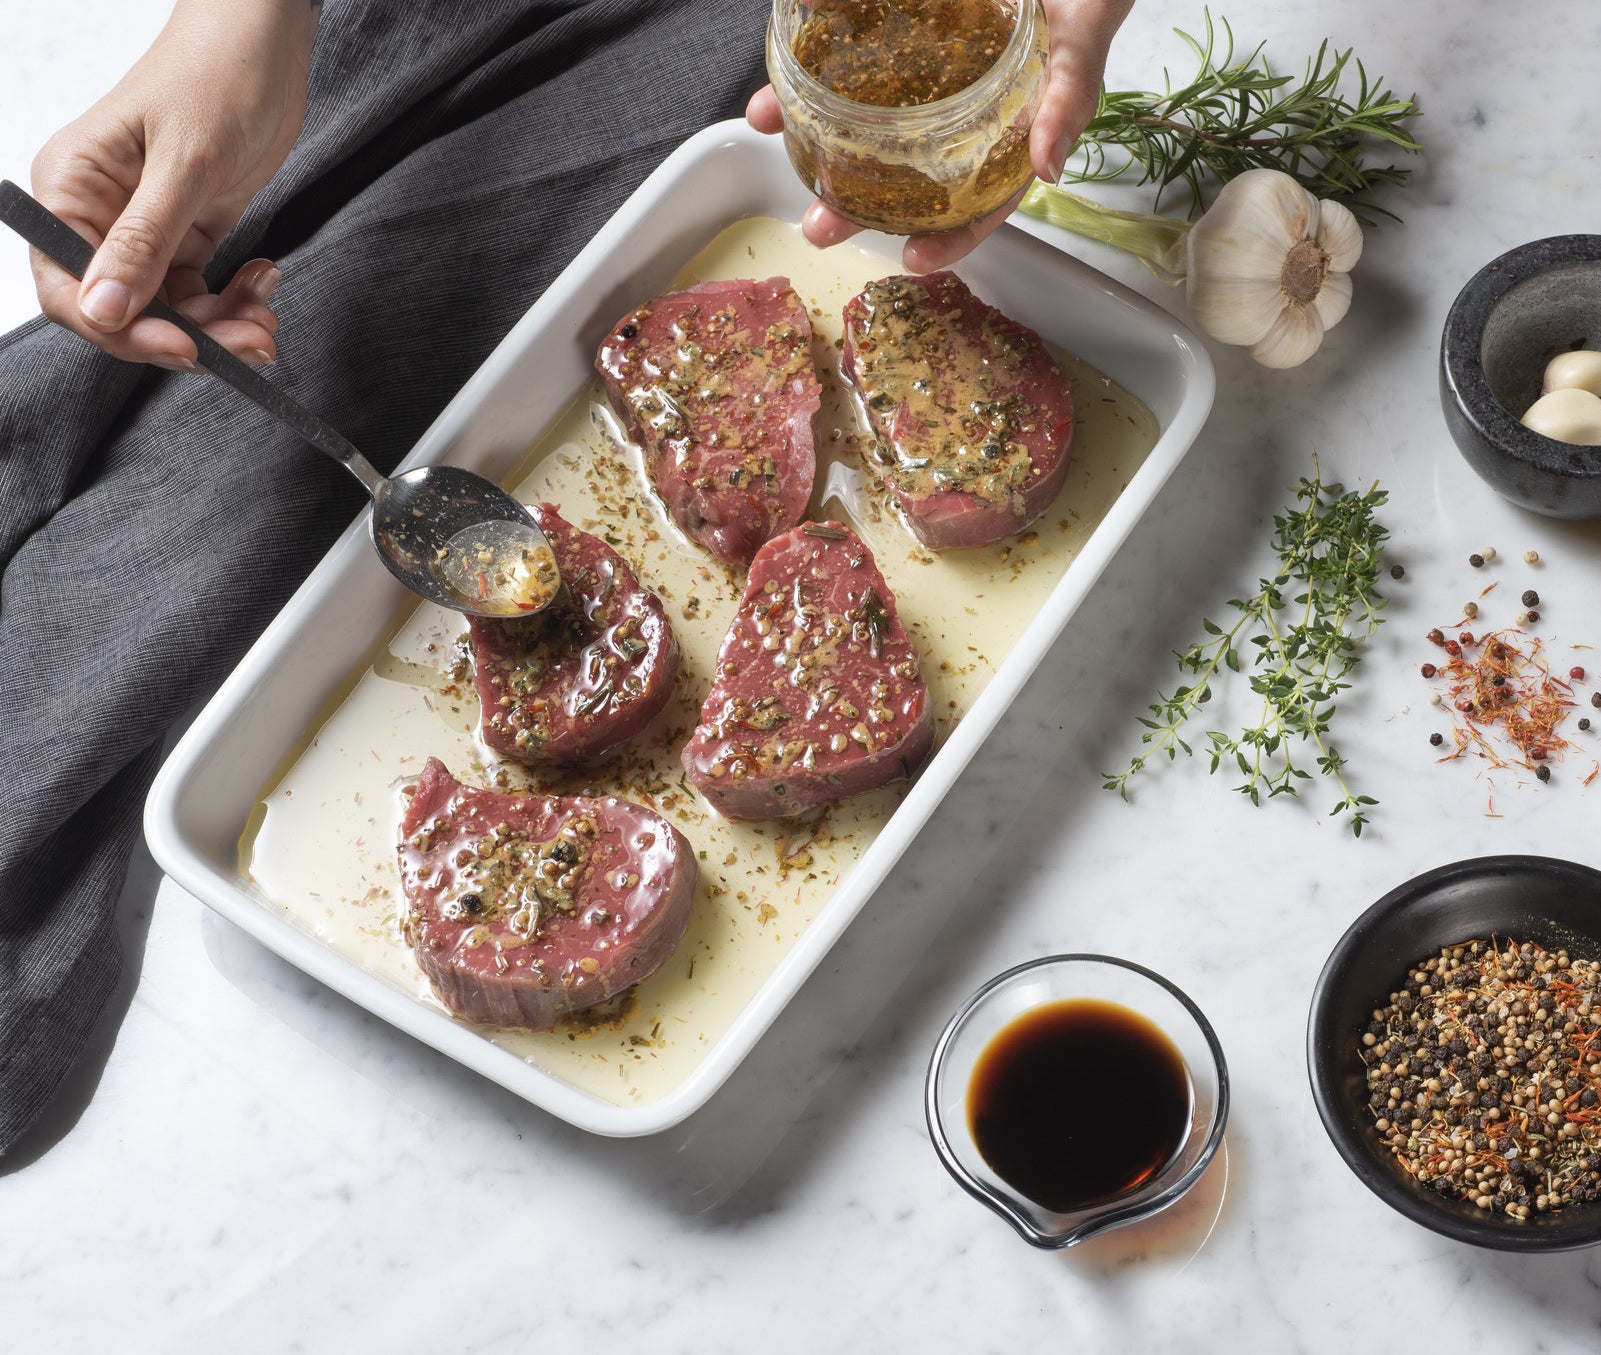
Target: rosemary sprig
{"points": [[1309, 620], [1239, 115]]}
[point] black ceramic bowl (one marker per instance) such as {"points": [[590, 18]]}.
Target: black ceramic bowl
{"points": [[1517, 313], [1556, 904]]}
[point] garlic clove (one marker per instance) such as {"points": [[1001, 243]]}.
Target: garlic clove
{"points": [[1579, 370], [1333, 299], [1340, 234], [1235, 310], [1568, 415], [1294, 337]]}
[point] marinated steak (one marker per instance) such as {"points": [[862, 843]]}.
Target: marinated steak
{"points": [[524, 908], [974, 415], [716, 385], [817, 693], [585, 675]]}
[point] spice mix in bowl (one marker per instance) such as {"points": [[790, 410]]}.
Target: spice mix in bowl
{"points": [[1454, 1049]]}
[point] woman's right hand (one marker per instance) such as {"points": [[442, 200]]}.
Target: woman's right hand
{"points": [[160, 170]]}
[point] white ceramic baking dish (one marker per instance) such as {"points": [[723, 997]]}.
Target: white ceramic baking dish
{"points": [[209, 786]]}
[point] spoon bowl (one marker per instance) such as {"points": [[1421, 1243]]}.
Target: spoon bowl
{"points": [[448, 534]]}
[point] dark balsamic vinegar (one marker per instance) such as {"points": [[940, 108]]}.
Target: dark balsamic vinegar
{"points": [[1078, 1101]]}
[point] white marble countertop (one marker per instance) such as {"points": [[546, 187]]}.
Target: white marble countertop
{"points": [[257, 1164]]}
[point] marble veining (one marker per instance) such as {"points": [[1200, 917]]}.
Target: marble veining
{"points": [[265, 1167]]}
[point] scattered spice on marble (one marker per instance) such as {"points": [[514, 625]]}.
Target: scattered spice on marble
{"points": [[1506, 702], [1476, 560], [1484, 1076], [1488, 554], [1531, 557]]}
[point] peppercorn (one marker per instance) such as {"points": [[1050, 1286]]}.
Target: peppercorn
{"points": [[1466, 637], [1397, 572], [1442, 1126], [1543, 772], [1428, 670], [1437, 636], [1584, 723], [1576, 673], [1437, 738], [1531, 557], [1475, 559], [1530, 598], [1533, 617], [1595, 698], [1470, 610]]}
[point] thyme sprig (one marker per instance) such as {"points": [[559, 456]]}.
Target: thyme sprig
{"points": [[1236, 115], [1310, 620]]}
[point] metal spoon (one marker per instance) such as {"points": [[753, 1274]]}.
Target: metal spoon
{"points": [[448, 534]]}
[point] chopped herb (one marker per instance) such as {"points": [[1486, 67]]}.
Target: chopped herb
{"points": [[826, 533], [596, 699], [877, 620]]}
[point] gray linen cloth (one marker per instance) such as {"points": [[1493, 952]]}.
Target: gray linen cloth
{"points": [[455, 157]]}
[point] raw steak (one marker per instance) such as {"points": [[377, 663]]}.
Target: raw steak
{"points": [[974, 415], [817, 693], [716, 385], [524, 908], [587, 674]]}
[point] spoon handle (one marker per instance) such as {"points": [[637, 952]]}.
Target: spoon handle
{"points": [[56, 240]]}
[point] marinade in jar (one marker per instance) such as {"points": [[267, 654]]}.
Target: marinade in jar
{"points": [[900, 55], [909, 116]]}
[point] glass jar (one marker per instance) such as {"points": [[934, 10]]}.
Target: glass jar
{"points": [[917, 168]]}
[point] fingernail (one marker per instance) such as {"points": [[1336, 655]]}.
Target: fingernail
{"points": [[257, 357], [106, 304], [267, 284], [1064, 148], [174, 364]]}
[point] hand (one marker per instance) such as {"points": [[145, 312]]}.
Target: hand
{"points": [[1081, 33], [160, 170]]}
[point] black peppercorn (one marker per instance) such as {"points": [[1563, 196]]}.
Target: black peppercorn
{"points": [[1544, 772], [1397, 572], [1530, 598], [1436, 738], [1584, 723]]}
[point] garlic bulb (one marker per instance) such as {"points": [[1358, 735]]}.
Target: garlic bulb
{"points": [[1268, 267]]}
